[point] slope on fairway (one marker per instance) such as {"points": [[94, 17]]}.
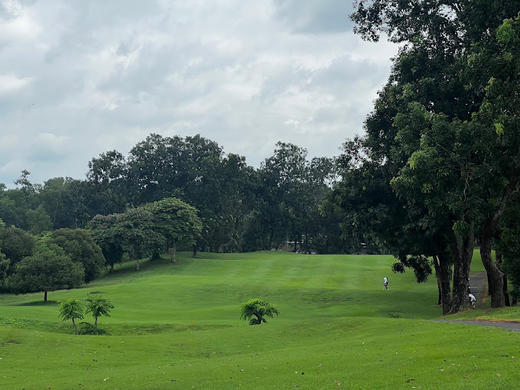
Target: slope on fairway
{"points": [[178, 326]]}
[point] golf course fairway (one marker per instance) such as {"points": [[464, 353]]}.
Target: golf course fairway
{"points": [[178, 326]]}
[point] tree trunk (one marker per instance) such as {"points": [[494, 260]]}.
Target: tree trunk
{"points": [[45, 297], [499, 261], [95, 322], [75, 326], [463, 251], [111, 267], [438, 277], [443, 274], [173, 253], [137, 265], [194, 250], [506, 294], [494, 274]]}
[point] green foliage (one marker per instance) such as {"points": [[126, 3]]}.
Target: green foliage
{"points": [[48, 269], [98, 307], [255, 310], [108, 236], [138, 233], [66, 201], [420, 265], [432, 137], [71, 309], [79, 245], [16, 243], [506, 32], [4, 267], [38, 221], [176, 221], [398, 268], [499, 128]]}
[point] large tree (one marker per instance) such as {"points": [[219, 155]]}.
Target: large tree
{"points": [[48, 269], [79, 245], [425, 136], [177, 222], [105, 232], [139, 236], [15, 243]]}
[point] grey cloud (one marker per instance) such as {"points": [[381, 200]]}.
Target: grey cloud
{"points": [[315, 16], [103, 75]]}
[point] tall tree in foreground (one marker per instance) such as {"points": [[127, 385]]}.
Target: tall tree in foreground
{"points": [[427, 133], [499, 119]]}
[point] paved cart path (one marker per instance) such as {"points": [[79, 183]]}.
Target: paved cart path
{"points": [[477, 283], [513, 326]]}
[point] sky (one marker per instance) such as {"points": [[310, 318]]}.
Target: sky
{"points": [[79, 78]]}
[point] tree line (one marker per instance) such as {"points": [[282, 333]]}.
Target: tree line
{"points": [[67, 258], [241, 208]]}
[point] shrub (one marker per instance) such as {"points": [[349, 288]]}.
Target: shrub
{"points": [[255, 310]]}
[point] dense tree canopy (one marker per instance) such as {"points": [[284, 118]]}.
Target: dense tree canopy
{"points": [[48, 269], [176, 221], [240, 208], [80, 247], [435, 168]]}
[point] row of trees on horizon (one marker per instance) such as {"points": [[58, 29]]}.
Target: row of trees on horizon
{"points": [[241, 208]]}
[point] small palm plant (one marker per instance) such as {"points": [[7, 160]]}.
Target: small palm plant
{"points": [[71, 309], [255, 310], [99, 307]]}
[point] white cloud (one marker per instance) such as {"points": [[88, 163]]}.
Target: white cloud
{"points": [[11, 83], [19, 23], [84, 77]]}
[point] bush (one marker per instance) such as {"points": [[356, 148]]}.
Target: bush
{"points": [[255, 310]]}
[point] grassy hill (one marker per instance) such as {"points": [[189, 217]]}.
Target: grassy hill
{"points": [[178, 327]]}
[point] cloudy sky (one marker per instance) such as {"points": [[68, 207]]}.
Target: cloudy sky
{"points": [[78, 77]]}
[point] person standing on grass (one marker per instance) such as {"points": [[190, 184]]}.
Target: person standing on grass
{"points": [[472, 300], [385, 282]]}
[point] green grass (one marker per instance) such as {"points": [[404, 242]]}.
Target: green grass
{"points": [[178, 327]]}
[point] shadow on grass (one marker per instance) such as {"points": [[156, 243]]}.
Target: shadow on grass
{"points": [[36, 303], [146, 329], [128, 268], [109, 329]]}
